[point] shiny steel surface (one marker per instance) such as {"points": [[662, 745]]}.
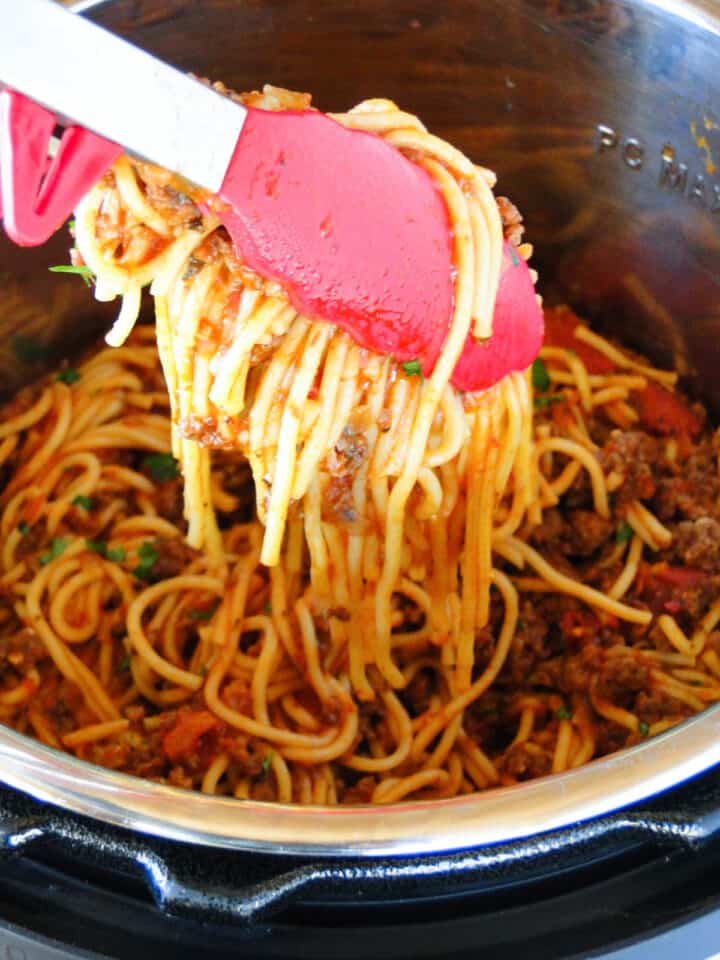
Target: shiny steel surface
{"points": [[116, 90], [602, 119]]}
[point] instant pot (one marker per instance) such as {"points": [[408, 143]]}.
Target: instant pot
{"points": [[602, 120]]}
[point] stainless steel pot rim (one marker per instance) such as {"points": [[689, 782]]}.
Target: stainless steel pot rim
{"points": [[412, 828]]}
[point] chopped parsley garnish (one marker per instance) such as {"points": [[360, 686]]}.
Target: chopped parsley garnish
{"points": [[204, 614], [562, 713], [57, 548], [624, 533], [644, 728], [267, 761], [82, 501], [540, 377], [28, 350], [162, 466], [68, 376], [147, 555], [24, 528], [124, 664], [117, 555], [412, 368], [84, 272], [547, 401]]}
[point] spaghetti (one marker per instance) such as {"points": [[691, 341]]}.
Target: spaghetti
{"points": [[379, 588]]}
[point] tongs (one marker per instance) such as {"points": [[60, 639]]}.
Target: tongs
{"points": [[355, 232]]}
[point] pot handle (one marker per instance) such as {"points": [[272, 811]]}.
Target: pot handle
{"points": [[250, 887]]}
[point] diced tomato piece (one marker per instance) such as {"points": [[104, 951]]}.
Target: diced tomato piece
{"points": [[667, 413], [669, 589], [680, 577], [181, 740], [560, 324]]}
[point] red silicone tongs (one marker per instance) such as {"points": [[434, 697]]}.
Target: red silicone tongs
{"points": [[356, 233]]}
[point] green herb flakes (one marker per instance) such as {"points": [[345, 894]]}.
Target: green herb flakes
{"points": [[147, 555], [412, 368], [116, 554], [541, 402], [624, 533], [84, 272], [204, 614], [57, 548], [540, 376], [161, 466]]}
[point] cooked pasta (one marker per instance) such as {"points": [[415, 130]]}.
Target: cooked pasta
{"points": [[243, 555]]}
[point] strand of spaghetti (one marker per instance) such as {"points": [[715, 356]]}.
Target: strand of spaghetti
{"points": [[319, 682], [377, 121], [455, 430], [575, 450], [647, 526], [212, 683], [342, 742], [629, 571], [464, 655], [573, 588], [140, 642], [134, 199], [163, 332], [55, 434], [560, 760], [674, 634], [395, 789], [403, 735], [283, 778], [609, 711], [126, 318], [70, 666], [214, 774], [486, 507], [577, 369], [440, 755], [284, 476], [252, 323], [266, 663], [457, 705], [30, 417], [94, 732], [431, 392], [479, 759], [666, 377]]}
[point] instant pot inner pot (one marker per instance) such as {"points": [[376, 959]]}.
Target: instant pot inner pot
{"points": [[599, 118]]}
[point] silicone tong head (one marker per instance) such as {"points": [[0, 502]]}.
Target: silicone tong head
{"points": [[38, 192]]}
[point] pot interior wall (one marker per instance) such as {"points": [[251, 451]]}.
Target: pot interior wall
{"points": [[597, 116]]}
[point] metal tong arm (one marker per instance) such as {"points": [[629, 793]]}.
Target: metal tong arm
{"points": [[88, 76]]}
